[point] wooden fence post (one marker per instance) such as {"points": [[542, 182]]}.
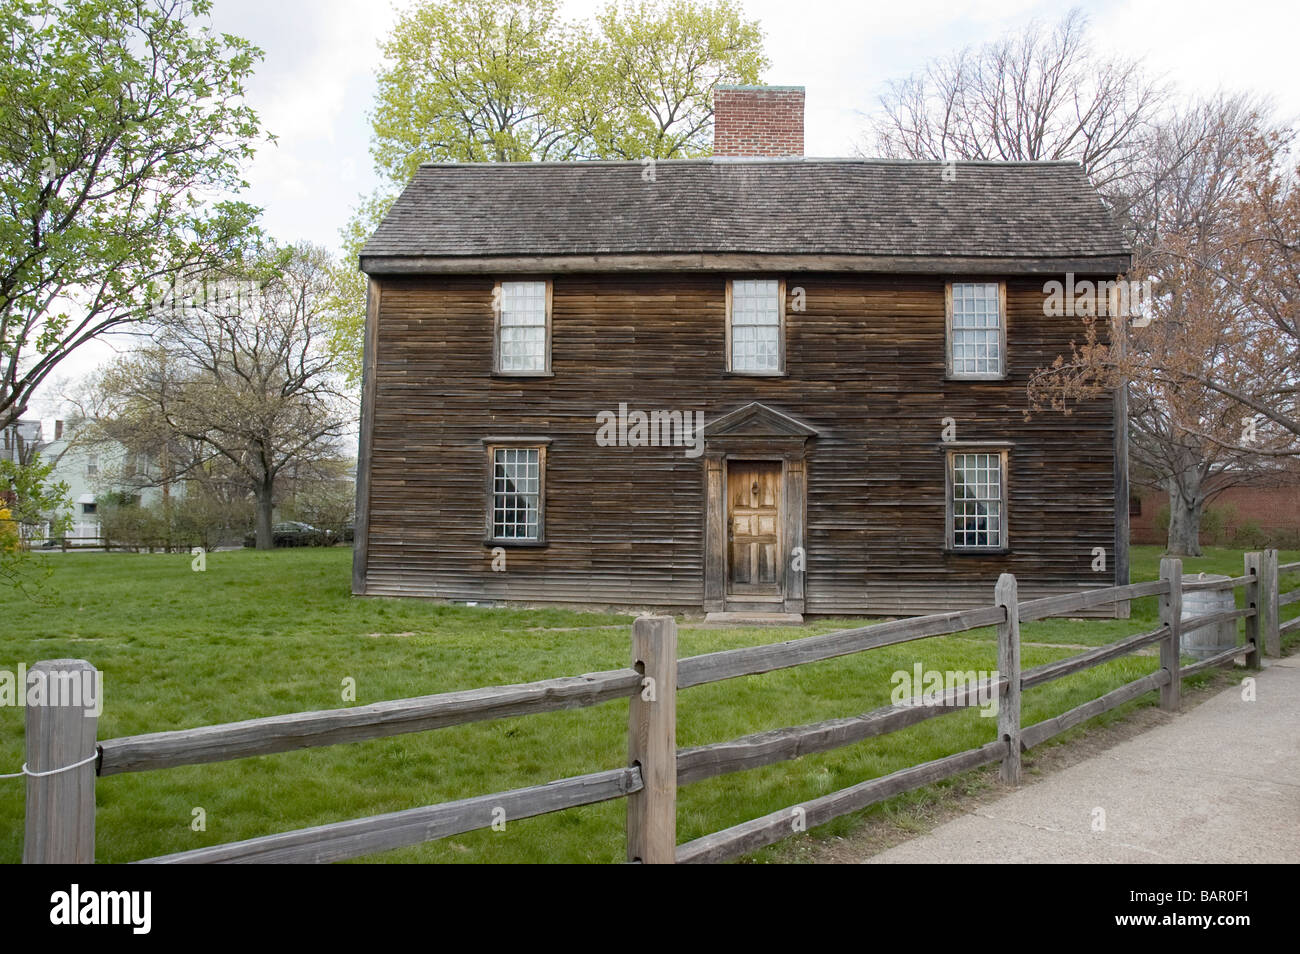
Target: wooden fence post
{"points": [[1254, 565], [652, 743], [1268, 608], [1171, 614], [1006, 595], [60, 824]]}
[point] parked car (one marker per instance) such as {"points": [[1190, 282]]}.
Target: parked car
{"points": [[292, 533]]}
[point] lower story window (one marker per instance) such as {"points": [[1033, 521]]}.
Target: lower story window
{"points": [[516, 513], [977, 501]]}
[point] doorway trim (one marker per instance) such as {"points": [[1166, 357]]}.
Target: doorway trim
{"points": [[756, 432]]}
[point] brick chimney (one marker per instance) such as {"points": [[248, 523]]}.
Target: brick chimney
{"points": [[751, 121]]}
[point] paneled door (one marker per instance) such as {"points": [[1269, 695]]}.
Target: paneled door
{"points": [[753, 527]]}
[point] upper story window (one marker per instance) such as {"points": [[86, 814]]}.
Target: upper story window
{"points": [[977, 500], [756, 326], [92, 465], [977, 330], [523, 327]]}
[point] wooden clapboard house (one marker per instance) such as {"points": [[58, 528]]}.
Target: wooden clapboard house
{"points": [[856, 334]]}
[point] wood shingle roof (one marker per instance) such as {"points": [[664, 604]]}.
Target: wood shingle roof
{"points": [[886, 214]]}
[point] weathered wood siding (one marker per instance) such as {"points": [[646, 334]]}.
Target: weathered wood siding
{"points": [[624, 526]]}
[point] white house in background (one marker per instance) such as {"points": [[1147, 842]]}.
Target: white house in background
{"points": [[92, 470]]}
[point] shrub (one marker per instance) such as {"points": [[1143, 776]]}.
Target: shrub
{"points": [[204, 520], [193, 520], [124, 523], [1216, 524], [326, 506], [10, 539], [1250, 536], [1161, 521]]}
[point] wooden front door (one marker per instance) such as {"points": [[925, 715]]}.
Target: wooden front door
{"points": [[754, 528]]}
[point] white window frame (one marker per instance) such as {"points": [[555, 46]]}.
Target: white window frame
{"points": [[951, 337], [499, 292], [780, 328], [493, 446], [1001, 453]]}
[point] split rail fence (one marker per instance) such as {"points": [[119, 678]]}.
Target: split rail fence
{"points": [[64, 758]]}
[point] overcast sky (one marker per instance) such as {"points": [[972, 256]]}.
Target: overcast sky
{"points": [[315, 87]]}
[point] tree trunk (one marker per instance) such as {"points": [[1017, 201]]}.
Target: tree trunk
{"points": [[265, 539], [1186, 502]]}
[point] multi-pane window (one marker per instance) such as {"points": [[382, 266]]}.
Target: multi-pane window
{"points": [[523, 327], [977, 500], [976, 332], [516, 493], [754, 326]]}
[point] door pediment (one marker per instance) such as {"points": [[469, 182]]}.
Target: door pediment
{"points": [[756, 420]]}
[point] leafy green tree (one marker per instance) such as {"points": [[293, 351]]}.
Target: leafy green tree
{"points": [[29, 499], [469, 81], [509, 81], [116, 119], [347, 330], [659, 64]]}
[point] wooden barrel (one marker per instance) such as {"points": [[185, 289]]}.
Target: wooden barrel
{"points": [[1207, 640]]}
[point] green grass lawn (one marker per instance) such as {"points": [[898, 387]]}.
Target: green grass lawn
{"points": [[265, 633]]}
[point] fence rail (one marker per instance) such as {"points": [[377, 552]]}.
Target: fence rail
{"points": [[365, 836], [64, 759], [301, 730], [1093, 657], [1231, 583]]}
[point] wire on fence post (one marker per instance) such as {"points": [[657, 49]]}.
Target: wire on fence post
{"points": [[26, 771], [61, 726]]}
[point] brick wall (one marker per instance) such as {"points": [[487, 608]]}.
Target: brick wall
{"points": [[758, 121], [1275, 510]]}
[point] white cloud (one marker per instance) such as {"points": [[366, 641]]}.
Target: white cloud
{"points": [[1204, 47]]}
